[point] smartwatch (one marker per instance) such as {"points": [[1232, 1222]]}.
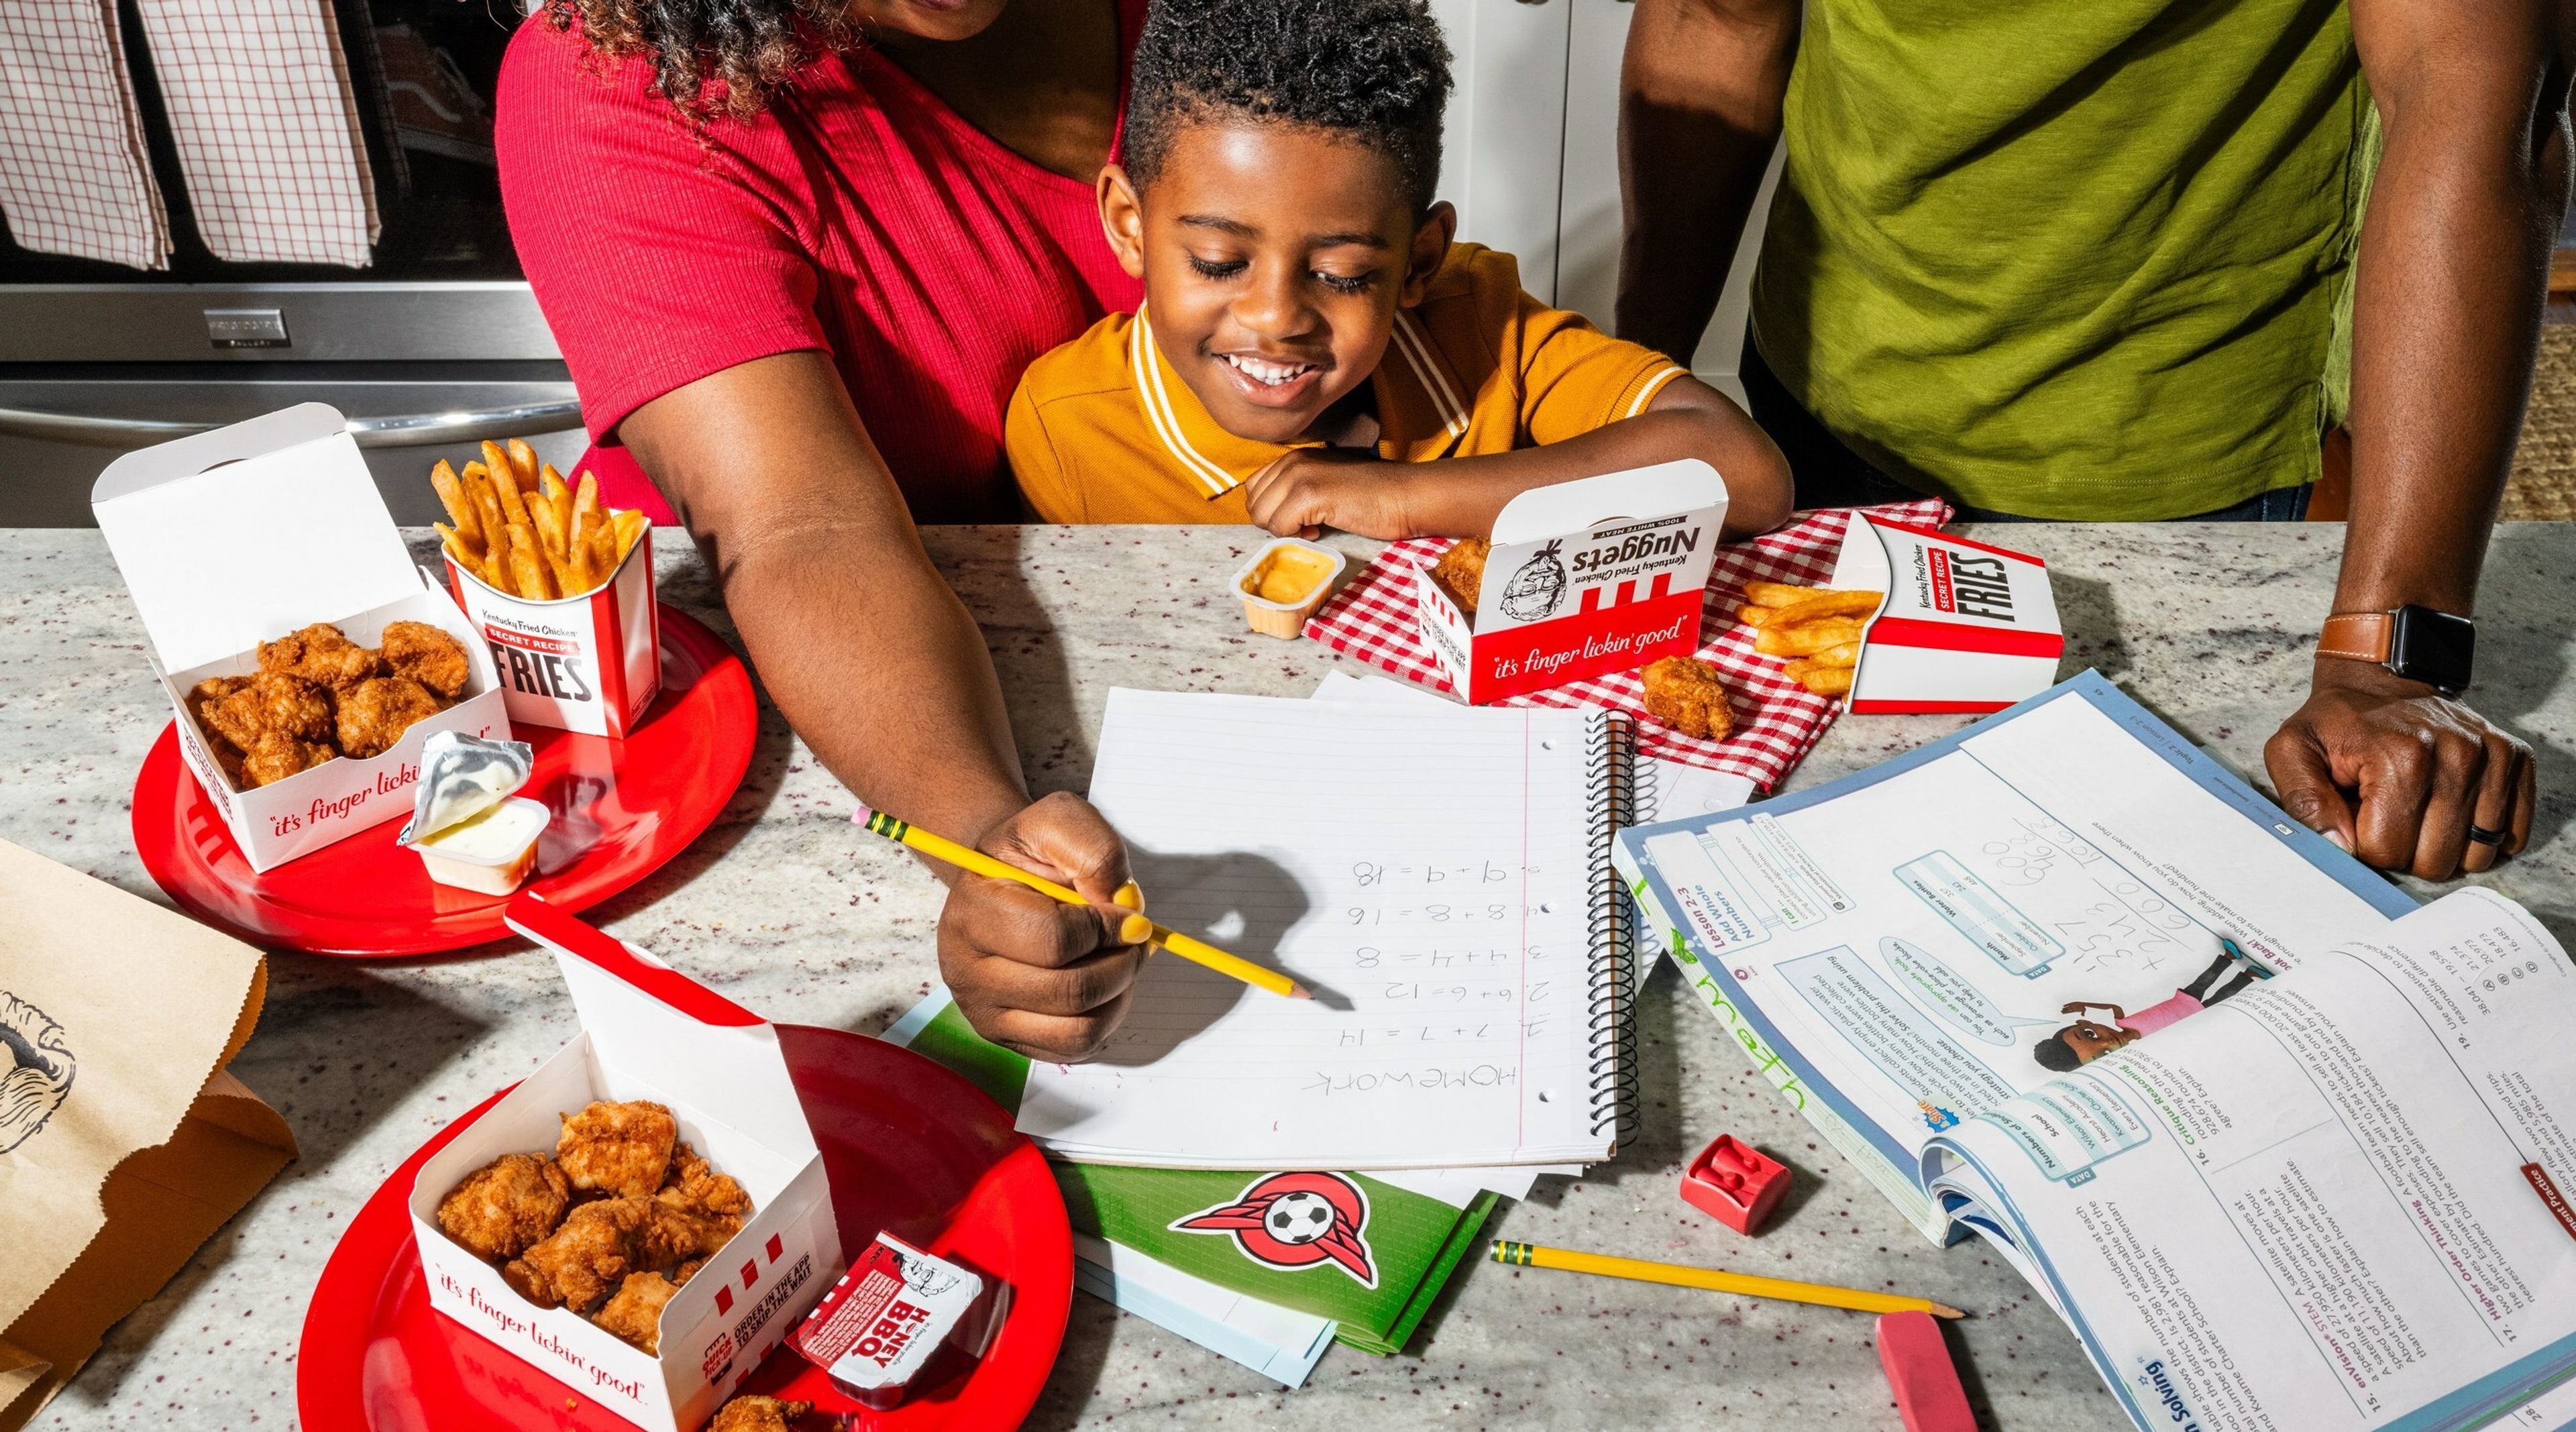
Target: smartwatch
{"points": [[2417, 643]]}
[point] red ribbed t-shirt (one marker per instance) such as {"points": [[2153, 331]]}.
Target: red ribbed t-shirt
{"points": [[859, 215]]}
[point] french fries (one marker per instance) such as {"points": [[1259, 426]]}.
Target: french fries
{"points": [[1818, 628], [514, 522]]}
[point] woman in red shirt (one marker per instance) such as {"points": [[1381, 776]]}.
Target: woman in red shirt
{"points": [[799, 298]]}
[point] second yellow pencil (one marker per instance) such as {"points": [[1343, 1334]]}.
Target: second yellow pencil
{"points": [[968, 858], [1532, 1255]]}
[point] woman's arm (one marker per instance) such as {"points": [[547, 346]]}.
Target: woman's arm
{"points": [[1460, 497], [879, 668]]}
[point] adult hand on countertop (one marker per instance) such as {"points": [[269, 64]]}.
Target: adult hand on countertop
{"points": [[1033, 973], [2420, 767]]}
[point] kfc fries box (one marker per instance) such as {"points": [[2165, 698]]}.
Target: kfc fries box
{"points": [[590, 662], [1600, 574], [234, 537], [1965, 627], [649, 1032]]}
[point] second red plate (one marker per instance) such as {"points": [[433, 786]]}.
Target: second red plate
{"points": [[621, 808]]}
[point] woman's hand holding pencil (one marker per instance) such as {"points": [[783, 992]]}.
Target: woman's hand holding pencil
{"points": [[1098, 938]]}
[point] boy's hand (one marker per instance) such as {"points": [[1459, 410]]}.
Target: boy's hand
{"points": [[1309, 489]]}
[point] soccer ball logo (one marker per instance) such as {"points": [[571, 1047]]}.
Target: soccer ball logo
{"points": [[1296, 1220]]}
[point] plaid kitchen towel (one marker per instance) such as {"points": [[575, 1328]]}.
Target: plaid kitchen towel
{"points": [[1776, 719], [74, 177], [266, 118]]}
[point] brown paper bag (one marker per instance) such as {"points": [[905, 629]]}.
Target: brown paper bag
{"points": [[123, 1143]]}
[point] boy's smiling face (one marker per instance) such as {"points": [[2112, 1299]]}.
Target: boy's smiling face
{"points": [[1275, 256]]}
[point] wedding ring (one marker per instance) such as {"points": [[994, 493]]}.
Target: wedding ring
{"points": [[2484, 836]]}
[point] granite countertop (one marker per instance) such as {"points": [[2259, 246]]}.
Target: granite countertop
{"points": [[781, 908]]}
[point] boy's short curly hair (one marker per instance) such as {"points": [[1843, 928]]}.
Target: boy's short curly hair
{"points": [[1375, 71]]}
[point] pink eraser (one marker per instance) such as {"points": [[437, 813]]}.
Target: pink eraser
{"points": [[1919, 1372]]}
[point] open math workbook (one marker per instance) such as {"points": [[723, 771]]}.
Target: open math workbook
{"points": [[2316, 1183]]}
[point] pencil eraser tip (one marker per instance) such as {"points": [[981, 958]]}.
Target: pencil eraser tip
{"points": [[863, 817], [1920, 1373]]}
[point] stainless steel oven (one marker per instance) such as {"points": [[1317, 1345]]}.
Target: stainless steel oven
{"points": [[431, 345]]}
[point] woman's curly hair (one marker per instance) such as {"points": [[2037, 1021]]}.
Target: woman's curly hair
{"points": [[711, 57]]}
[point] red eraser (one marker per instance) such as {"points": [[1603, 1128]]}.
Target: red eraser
{"points": [[1919, 1372], [1734, 1183]]}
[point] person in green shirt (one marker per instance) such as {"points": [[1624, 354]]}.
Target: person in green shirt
{"points": [[2145, 260]]}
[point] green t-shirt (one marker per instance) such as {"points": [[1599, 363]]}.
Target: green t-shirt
{"points": [[2076, 261]]}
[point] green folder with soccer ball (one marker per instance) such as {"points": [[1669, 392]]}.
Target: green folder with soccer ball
{"points": [[1346, 1246]]}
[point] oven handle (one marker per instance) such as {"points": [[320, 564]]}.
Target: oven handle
{"points": [[407, 430]]}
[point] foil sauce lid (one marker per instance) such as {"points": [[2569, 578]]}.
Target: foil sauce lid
{"points": [[876, 1328], [461, 777]]}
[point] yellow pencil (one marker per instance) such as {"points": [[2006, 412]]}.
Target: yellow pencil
{"points": [[1531, 1255], [968, 858]]}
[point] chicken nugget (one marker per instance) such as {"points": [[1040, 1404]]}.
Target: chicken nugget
{"points": [[754, 1413], [271, 702], [598, 1245], [320, 654], [211, 690], [688, 1270], [375, 713], [276, 755], [504, 1208], [428, 656], [1687, 696], [714, 1204], [1461, 569], [624, 1148], [635, 1311], [229, 759]]}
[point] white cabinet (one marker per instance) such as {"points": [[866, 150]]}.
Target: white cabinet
{"points": [[1530, 156]]}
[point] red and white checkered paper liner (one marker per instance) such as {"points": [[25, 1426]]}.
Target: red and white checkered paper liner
{"points": [[1776, 719]]}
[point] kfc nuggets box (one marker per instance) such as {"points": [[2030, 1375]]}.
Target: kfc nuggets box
{"points": [[1600, 574], [233, 537], [1965, 626], [650, 1032], [590, 662]]}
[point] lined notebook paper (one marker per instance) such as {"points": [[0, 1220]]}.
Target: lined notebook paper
{"points": [[1429, 874]]}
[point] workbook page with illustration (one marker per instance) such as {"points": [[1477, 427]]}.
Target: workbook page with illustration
{"points": [[1899, 950]]}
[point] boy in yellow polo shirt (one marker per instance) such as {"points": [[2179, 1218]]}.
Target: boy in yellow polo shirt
{"points": [[1313, 350]]}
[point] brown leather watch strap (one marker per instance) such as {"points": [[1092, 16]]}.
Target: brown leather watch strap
{"points": [[2359, 636]]}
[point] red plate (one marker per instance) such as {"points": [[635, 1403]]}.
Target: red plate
{"points": [[621, 808], [910, 1148]]}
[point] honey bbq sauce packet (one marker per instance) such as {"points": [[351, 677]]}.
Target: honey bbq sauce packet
{"points": [[124, 1144]]}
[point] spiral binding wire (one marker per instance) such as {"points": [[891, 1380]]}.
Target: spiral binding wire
{"points": [[1611, 800]]}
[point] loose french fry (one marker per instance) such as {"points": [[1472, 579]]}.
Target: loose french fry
{"points": [[1846, 655], [1754, 616], [454, 542], [585, 501], [523, 462], [629, 525], [460, 508], [496, 567], [526, 567], [1797, 670], [550, 486], [1776, 594], [603, 552], [1823, 604], [577, 563], [1828, 681], [487, 508], [1806, 639], [547, 519]]}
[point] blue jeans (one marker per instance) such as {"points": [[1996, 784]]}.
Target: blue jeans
{"points": [[1828, 474]]}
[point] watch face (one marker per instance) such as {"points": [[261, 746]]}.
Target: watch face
{"points": [[2432, 647]]}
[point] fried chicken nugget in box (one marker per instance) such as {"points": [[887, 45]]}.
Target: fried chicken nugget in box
{"points": [[753, 1413], [376, 712], [1461, 570], [1686, 695], [507, 1206], [321, 654], [271, 702], [276, 755], [623, 1148], [598, 1245], [711, 1201], [428, 656], [635, 1311]]}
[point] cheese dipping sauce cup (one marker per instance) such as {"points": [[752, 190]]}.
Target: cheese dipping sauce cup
{"points": [[491, 852], [468, 828], [1283, 584]]}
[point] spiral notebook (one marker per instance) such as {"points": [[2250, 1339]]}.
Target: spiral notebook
{"points": [[1440, 879]]}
